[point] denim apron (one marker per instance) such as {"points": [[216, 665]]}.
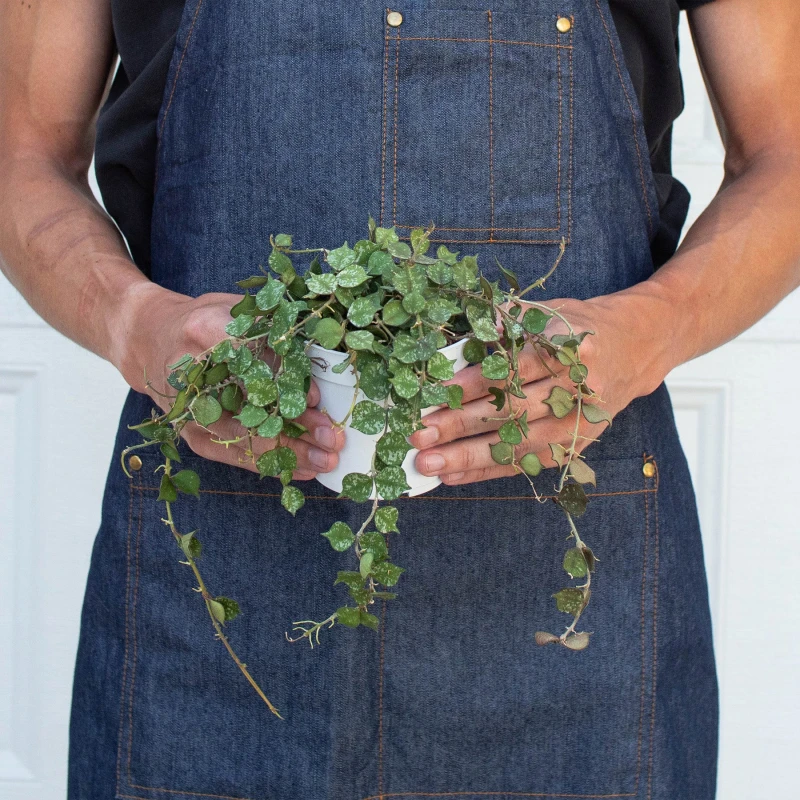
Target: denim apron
{"points": [[511, 129]]}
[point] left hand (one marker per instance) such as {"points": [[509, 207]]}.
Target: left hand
{"points": [[455, 443]]}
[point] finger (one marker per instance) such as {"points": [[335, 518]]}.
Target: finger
{"points": [[531, 368], [321, 430], [480, 416]]}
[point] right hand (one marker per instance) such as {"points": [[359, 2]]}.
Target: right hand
{"points": [[160, 327]]}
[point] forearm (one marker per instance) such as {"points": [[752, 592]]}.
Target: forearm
{"points": [[739, 259], [66, 257]]}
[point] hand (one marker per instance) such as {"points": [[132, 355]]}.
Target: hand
{"points": [[159, 327], [455, 443]]}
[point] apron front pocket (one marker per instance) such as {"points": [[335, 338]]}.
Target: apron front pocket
{"points": [[477, 124]]}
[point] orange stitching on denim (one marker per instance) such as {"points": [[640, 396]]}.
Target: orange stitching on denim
{"points": [[643, 594], [485, 228], [633, 116], [571, 134], [503, 241], [558, 141], [383, 138], [396, 89], [490, 794], [420, 497], [482, 41], [491, 128], [133, 630], [655, 651], [127, 607]]}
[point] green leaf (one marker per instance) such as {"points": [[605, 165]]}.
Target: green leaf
{"points": [[365, 564], [535, 320], [231, 397], [218, 610], [590, 558], [373, 376], [494, 368], [405, 382], [434, 394], [240, 325], [380, 263], [484, 329], [182, 363], [419, 241], [341, 257], [261, 391], [292, 403], [230, 608], [392, 448], [352, 276], [414, 303], [455, 394], [386, 519], [440, 367], [559, 453], [578, 373], [575, 564], [167, 491], [351, 579], [359, 340], [399, 250], [595, 414], [324, 284], [206, 410], [328, 332], [443, 254], [247, 305], [511, 277], [270, 428], [386, 574], [502, 453], [187, 481], [168, 450], [361, 312], [241, 360], [222, 352], [356, 486], [251, 416], [499, 397], [440, 273], [570, 601], [440, 310], [394, 315], [190, 545], [282, 264], [582, 472], [360, 595], [375, 542], [510, 432], [253, 282], [368, 417], [573, 499], [294, 430], [466, 273], [578, 641], [268, 464], [391, 483], [474, 351], [351, 617], [292, 499], [531, 464], [283, 240], [560, 401], [340, 536], [216, 375], [401, 418], [270, 294], [368, 620]]}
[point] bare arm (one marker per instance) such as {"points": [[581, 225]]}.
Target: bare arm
{"points": [[57, 245], [738, 260]]}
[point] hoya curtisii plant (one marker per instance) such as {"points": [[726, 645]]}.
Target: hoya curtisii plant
{"points": [[390, 306]]}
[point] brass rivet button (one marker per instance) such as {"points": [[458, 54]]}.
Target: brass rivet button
{"points": [[135, 463], [394, 18], [562, 23], [649, 469]]}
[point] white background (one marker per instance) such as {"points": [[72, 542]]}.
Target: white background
{"points": [[59, 407]]}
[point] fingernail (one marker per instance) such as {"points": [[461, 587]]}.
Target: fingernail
{"points": [[434, 463], [326, 437], [319, 458], [427, 436]]}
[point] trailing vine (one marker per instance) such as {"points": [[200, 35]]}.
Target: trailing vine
{"points": [[391, 308]]}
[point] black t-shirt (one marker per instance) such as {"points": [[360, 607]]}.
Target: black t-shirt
{"points": [[145, 35]]}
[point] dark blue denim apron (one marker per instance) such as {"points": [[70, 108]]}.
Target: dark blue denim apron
{"points": [[510, 130]]}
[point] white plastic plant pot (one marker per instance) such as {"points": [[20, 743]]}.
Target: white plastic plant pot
{"points": [[336, 398]]}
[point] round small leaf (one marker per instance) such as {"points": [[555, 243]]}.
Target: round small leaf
{"points": [[531, 464], [502, 453], [356, 486], [573, 499], [575, 563], [386, 519], [494, 367], [368, 417], [206, 410], [292, 499], [328, 332], [348, 616], [340, 536]]}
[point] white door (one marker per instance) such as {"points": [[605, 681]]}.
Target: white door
{"points": [[58, 413]]}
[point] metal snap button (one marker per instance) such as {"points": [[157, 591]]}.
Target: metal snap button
{"points": [[135, 463], [649, 469], [394, 18], [562, 23]]}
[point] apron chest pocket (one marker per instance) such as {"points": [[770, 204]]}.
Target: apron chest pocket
{"points": [[477, 124]]}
